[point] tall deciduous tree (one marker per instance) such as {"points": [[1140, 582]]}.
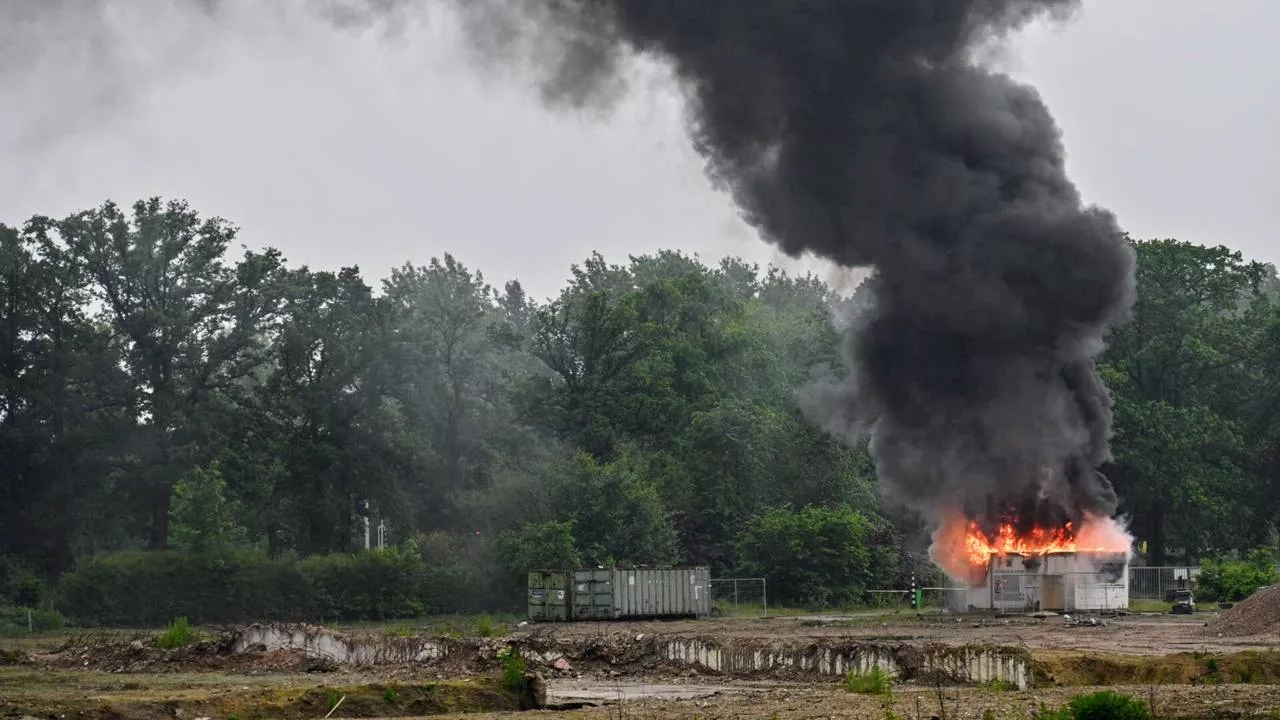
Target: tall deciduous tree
{"points": [[189, 323]]}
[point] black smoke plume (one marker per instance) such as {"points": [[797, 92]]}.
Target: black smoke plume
{"points": [[867, 132]]}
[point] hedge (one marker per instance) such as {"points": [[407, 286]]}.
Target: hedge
{"points": [[138, 588]]}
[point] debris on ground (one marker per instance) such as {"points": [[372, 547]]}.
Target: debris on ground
{"points": [[1258, 614]]}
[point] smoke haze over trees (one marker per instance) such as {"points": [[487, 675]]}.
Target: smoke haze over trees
{"points": [[159, 389]]}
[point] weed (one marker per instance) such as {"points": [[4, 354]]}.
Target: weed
{"points": [[512, 669], [875, 682], [178, 634], [331, 699], [1248, 674], [485, 626], [1000, 686], [988, 714], [1105, 705], [233, 717], [391, 695], [1212, 665]]}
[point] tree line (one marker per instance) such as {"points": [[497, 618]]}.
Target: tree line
{"points": [[165, 400]]}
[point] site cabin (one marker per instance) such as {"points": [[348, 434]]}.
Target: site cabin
{"points": [[1062, 582]]}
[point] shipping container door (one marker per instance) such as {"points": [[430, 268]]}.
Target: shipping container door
{"points": [[537, 597]]}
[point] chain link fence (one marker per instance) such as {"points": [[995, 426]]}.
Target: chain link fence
{"points": [[739, 596]]}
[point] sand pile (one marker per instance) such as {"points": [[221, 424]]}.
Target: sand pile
{"points": [[1258, 614]]}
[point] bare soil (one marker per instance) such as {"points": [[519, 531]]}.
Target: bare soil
{"points": [[611, 669], [1258, 614], [1131, 634]]}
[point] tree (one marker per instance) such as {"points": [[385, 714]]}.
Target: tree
{"points": [[617, 513], [189, 325], [203, 518], [1183, 374], [325, 404], [819, 557], [62, 402]]}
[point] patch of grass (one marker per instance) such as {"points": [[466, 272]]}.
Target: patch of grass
{"points": [[1149, 606], [397, 631], [988, 714], [391, 695], [1074, 668], [1248, 674], [178, 634], [331, 699], [484, 625], [874, 682]]}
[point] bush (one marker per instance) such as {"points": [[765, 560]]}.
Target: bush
{"points": [[178, 634], [819, 557], [14, 621], [874, 682], [1233, 581], [20, 586], [1105, 705], [146, 589]]}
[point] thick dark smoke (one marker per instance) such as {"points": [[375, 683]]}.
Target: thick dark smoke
{"points": [[866, 132]]}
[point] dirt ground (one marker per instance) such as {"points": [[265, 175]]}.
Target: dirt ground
{"points": [[1172, 663], [1128, 634]]}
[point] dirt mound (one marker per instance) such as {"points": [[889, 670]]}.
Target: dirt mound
{"points": [[1258, 614], [140, 654]]}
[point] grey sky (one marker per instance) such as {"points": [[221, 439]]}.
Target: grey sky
{"points": [[351, 147]]}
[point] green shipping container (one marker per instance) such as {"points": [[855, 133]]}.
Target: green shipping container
{"points": [[548, 596], [641, 593], [593, 595]]}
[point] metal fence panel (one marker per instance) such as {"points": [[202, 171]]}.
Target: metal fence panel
{"points": [[739, 596]]}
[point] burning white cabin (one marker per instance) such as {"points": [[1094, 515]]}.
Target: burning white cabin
{"points": [[1066, 582]]}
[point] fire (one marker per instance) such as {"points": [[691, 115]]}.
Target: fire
{"points": [[962, 549]]}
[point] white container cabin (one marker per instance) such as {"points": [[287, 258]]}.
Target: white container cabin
{"points": [[1061, 582]]}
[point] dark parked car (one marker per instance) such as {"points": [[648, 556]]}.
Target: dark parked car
{"points": [[1183, 602]]}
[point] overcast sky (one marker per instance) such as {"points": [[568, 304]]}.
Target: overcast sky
{"points": [[353, 147]]}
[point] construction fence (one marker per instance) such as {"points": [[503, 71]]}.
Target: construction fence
{"points": [[739, 596]]}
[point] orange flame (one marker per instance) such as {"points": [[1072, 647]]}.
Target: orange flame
{"points": [[960, 547]]}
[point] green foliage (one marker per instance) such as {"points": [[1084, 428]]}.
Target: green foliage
{"points": [[201, 517], [873, 682], [20, 586], [23, 620], [617, 513], [161, 391], [178, 634], [1196, 401], [513, 669], [390, 695], [545, 545], [1232, 581], [139, 588], [819, 556], [484, 626], [1103, 705]]}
